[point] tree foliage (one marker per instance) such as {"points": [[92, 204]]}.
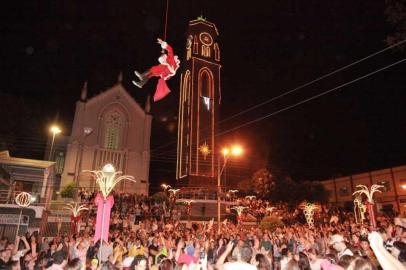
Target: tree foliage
{"points": [[262, 182], [396, 15], [271, 223], [293, 193], [68, 191]]}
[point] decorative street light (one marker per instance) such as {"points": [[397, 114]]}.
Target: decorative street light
{"points": [[165, 187], [107, 179], [55, 130], [23, 200], [75, 208], [362, 189], [227, 152], [188, 207], [239, 210]]}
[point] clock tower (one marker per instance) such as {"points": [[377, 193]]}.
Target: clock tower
{"points": [[199, 102]]}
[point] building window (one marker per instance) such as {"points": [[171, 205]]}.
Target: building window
{"points": [[385, 184], [60, 161], [114, 123], [343, 191], [112, 138]]}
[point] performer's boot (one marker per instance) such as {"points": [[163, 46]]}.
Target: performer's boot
{"points": [[141, 83], [143, 75]]}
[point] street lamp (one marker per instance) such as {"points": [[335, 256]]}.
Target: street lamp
{"points": [[236, 150], [55, 130], [86, 132]]}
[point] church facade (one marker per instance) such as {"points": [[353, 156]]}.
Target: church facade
{"points": [[110, 127]]}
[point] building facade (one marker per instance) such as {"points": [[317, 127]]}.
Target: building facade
{"points": [[36, 177], [199, 102], [110, 127], [392, 197]]}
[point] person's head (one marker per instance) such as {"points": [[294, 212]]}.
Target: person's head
{"points": [[262, 262], [75, 264], [162, 58], [286, 253], [4, 241], [240, 243], [359, 263], [165, 264], [312, 254], [292, 265], [364, 244], [399, 251], [345, 261], [59, 258], [139, 263], [337, 242], [303, 262], [245, 253]]}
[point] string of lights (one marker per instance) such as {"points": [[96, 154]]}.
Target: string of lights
{"points": [[300, 102], [296, 89]]}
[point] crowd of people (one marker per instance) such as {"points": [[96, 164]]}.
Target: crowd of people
{"points": [[149, 234]]}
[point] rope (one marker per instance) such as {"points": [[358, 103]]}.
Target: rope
{"points": [[166, 18]]}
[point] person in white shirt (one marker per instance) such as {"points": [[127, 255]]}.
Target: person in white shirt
{"points": [[337, 242]]}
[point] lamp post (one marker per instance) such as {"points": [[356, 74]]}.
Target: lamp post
{"points": [[55, 130], [235, 151], [23, 200], [86, 132]]}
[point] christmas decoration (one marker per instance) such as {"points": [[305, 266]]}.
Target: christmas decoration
{"points": [[23, 200], [239, 210], [169, 64], [359, 210], [363, 190], [75, 208], [204, 150], [308, 210], [107, 179]]}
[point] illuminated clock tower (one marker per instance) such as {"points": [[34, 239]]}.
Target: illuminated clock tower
{"points": [[199, 102]]}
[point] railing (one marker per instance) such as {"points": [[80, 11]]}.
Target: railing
{"points": [[201, 194]]}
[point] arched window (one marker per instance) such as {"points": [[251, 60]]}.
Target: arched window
{"points": [[114, 124]]}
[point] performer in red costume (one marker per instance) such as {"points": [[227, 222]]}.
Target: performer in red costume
{"points": [[169, 64]]}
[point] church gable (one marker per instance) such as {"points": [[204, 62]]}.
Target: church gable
{"points": [[116, 94]]}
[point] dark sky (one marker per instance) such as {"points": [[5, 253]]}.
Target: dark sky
{"points": [[49, 48]]}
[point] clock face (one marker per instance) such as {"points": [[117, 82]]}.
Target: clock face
{"points": [[206, 39]]}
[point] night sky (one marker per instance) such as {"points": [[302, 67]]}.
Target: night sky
{"points": [[49, 48]]}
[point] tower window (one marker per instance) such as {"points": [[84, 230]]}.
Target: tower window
{"points": [[216, 52], [205, 51], [195, 45]]}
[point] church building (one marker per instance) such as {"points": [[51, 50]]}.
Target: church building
{"points": [[110, 127]]}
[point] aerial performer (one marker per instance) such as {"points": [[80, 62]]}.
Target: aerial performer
{"points": [[168, 65]]}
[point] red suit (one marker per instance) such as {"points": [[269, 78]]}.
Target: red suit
{"points": [[169, 64]]}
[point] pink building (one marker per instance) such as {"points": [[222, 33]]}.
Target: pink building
{"points": [[110, 127]]}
